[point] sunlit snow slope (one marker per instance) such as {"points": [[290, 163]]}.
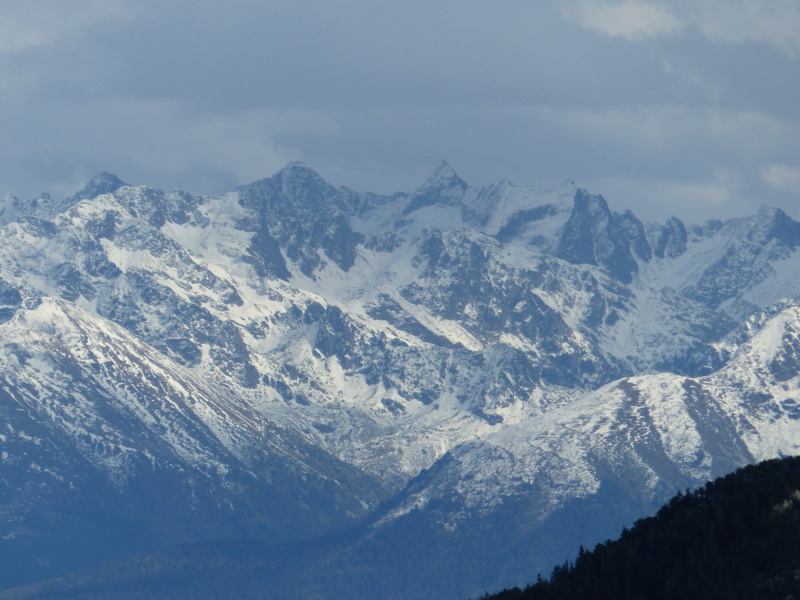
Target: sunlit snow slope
{"points": [[276, 360]]}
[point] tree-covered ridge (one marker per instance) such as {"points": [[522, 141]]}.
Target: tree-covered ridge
{"points": [[738, 537]]}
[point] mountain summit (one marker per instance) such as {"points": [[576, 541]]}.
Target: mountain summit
{"points": [[102, 183], [443, 176], [443, 187]]}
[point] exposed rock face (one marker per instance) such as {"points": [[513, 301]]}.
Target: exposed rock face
{"points": [[595, 236], [279, 359]]}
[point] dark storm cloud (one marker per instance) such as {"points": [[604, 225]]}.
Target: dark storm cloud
{"points": [[661, 106], [361, 55]]}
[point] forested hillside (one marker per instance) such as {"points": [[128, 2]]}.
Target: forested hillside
{"points": [[738, 537]]}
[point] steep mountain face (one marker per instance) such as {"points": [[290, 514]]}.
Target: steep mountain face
{"points": [[588, 467], [283, 357], [107, 441]]}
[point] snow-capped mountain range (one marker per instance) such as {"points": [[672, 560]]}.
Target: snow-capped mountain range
{"points": [[278, 360]]}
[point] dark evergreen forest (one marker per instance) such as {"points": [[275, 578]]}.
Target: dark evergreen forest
{"points": [[737, 538]]}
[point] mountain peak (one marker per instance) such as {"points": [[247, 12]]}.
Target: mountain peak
{"points": [[443, 176], [297, 178], [774, 223], [102, 183], [443, 169], [297, 168], [443, 187]]}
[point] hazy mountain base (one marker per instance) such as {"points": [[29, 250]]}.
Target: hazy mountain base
{"points": [[413, 557]]}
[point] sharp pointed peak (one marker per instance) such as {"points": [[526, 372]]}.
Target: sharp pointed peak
{"points": [[443, 169], [443, 176]]}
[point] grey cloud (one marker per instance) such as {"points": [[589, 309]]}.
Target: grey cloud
{"points": [[204, 96], [772, 22], [401, 54], [42, 23]]}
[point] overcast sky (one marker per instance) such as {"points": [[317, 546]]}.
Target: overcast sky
{"points": [[685, 107]]}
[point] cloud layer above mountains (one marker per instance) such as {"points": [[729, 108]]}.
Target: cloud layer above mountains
{"points": [[665, 107]]}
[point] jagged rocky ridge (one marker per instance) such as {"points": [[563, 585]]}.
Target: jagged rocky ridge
{"points": [[282, 357]]}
